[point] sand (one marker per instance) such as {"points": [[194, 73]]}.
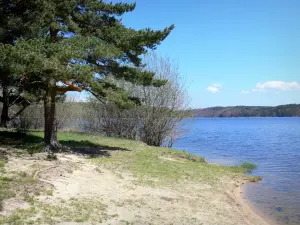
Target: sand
{"points": [[129, 202]]}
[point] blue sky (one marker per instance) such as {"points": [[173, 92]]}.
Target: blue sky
{"points": [[226, 48], [232, 52]]}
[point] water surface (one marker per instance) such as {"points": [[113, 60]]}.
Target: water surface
{"points": [[272, 143]]}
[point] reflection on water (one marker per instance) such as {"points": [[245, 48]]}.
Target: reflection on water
{"points": [[272, 143]]}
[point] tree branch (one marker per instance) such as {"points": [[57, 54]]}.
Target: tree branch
{"points": [[19, 112], [14, 101], [70, 87], [101, 99]]}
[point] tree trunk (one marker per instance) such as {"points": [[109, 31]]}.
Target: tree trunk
{"points": [[50, 133], [5, 106]]}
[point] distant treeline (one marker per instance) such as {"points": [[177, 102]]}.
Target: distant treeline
{"points": [[290, 110]]}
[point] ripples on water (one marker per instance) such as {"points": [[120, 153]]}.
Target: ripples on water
{"points": [[272, 143]]}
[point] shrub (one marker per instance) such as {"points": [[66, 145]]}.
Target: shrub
{"points": [[156, 121], [248, 167]]}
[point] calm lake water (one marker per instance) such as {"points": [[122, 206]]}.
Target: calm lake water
{"points": [[271, 143]]}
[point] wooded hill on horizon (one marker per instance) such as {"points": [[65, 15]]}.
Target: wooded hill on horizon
{"points": [[290, 110]]}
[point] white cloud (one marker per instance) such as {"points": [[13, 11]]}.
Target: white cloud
{"points": [[277, 86], [274, 86], [214, 88], [245, 92]]}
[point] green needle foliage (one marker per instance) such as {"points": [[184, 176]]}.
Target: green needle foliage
{"points": [[17, 20], [79, 43]]}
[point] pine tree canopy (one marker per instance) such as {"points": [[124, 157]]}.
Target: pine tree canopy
{"points": [[75, 42], [49, 47]]}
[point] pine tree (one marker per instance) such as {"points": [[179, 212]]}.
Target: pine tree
{"points": [[84, 41], [16, 21]]}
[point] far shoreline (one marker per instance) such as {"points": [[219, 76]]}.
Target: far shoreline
{"points": [[289, 110]]}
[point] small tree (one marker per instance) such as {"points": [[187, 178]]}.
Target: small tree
{"points": [[165, 106], [157, 120]]}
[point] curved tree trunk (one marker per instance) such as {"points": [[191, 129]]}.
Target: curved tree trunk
{"points": [[50, 133], [5, 106]]}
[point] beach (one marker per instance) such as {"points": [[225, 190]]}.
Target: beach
{"points": [[125, 200]]}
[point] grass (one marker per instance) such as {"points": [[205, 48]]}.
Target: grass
{"points": [[5, 190], [20, 216], [13, 139], [248, 167], [2, 163], [163, 166], [13, 184], [10, 186], [75, 210], [32, 142], [151, 165], [176, 154], [49, 192]]}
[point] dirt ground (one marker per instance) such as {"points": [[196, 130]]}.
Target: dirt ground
{"points": [[78, 183]]}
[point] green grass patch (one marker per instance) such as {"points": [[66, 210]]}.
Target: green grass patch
{"points": [[29, 198], [248, 167], [75, 210], [156, 166], [20, 216], [49, 192], [5, 192], [182, 155], [151, 165], [16, 184], [2, 164]]}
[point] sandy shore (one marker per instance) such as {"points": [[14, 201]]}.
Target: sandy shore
{"points": [[125, 201], [249, 209], [259, 213]]}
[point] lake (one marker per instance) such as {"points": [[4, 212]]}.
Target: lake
{"points": [[273, 144]]}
